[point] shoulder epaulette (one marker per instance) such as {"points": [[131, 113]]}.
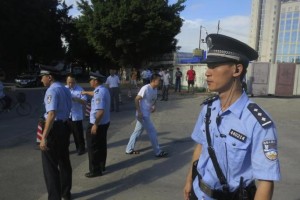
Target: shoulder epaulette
{"points": [[263, 119], [210, 99]]}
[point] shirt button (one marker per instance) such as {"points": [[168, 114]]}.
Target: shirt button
{"points": [[233, 144]]}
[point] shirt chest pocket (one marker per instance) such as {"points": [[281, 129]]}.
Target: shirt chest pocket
{"points": [[237, 150]]}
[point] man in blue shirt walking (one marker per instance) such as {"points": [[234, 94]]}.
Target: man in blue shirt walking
{"points": [[236, 139]]}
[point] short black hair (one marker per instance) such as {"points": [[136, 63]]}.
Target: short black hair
{"points": [[155, 76]]}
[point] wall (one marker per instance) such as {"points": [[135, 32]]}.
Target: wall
{"points": [[200, 74]]}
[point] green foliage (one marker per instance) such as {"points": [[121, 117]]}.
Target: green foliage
{"points": [[129, 32], [32, 27]]}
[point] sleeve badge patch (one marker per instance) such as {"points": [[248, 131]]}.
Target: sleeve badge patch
{"points": [[49, 98], [270, 149], [98, 101]]}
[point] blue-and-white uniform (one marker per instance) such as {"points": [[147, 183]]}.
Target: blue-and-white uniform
{"points": [[245, 146], [77, 108], [76, 117], [97, 143], [100, 100], [56, 160], [58, 98]]}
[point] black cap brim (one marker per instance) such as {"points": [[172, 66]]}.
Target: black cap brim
{"points": [[215, 59]]}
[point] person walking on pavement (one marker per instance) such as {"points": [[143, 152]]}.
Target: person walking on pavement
{"points": [[76, 115], [166, 83], [191, 78], [96, 133], [236, 139], [55, 138], [178, 76], [133, 82], [113, 82], [145, 104]]}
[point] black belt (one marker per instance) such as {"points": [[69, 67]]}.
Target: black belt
{"points": [[60, 121], [219, 194]]}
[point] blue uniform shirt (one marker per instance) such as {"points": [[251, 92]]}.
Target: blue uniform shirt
{"points": [[58, 98], [242, 146], [100, 100], [76, 110]]}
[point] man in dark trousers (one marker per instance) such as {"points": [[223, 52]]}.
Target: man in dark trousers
{"points": [[96, 134], [76, 115], [178, 75], [55, 140]]}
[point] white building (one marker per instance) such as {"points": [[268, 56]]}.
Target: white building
{"points": [[275, 30]]}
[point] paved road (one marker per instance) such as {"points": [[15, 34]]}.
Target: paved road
{"points": [[140, 176]]}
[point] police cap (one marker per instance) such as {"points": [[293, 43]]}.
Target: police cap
{"points": [[96, 76], [47, 70], [222, 49]]}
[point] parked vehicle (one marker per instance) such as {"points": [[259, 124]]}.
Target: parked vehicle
{"points": [[28, 80], [2, 74]]}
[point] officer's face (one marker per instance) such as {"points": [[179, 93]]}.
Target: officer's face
{"points": [[46, 80], [220, 77], [71, 82]]}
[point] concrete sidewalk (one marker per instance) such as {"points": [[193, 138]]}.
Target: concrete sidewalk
{"points": [[145, 177]]}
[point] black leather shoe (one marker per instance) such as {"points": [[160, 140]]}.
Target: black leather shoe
{"points": [[80, 152], [66, 197], [93, 174]]}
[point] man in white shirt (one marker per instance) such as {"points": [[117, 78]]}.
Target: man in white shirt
{"points": [[76, 115], [113, 83], [166, 82], [145, 104]]}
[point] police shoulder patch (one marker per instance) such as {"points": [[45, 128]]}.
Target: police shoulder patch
{"points": [[263, 119], [49, 98], [270, 149], [210, 99]]}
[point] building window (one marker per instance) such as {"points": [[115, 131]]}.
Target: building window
{"points": [[288, 24], [294, 37], [295, 24], [287, 37]]}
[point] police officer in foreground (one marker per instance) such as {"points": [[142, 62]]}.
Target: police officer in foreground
{"points": [[55, 140], [96, 134], [236, 139]]}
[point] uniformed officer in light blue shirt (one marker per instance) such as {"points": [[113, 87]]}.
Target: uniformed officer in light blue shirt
{"points": [[76, 115], [55, 140], [96, 134], [236, 139]]}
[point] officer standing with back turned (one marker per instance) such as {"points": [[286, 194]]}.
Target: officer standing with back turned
{"points": [[236, 155], [55, 140]]}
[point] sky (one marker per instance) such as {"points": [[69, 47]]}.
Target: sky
{"points": [[234, 17]]}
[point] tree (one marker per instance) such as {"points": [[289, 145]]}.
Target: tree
{"points": [[31, 27], [129, 32]]}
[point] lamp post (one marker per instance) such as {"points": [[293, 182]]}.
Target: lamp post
{"points": [[200, 40]]}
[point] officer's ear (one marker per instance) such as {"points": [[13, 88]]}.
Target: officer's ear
{"points": [[238, 70]]}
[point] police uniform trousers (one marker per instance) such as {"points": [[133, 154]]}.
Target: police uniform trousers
{"points": [[114, 98], [56, 162], [76, 129], [97, 147]]}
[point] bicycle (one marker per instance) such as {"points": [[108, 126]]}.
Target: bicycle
{"points": [[22, 107]]}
